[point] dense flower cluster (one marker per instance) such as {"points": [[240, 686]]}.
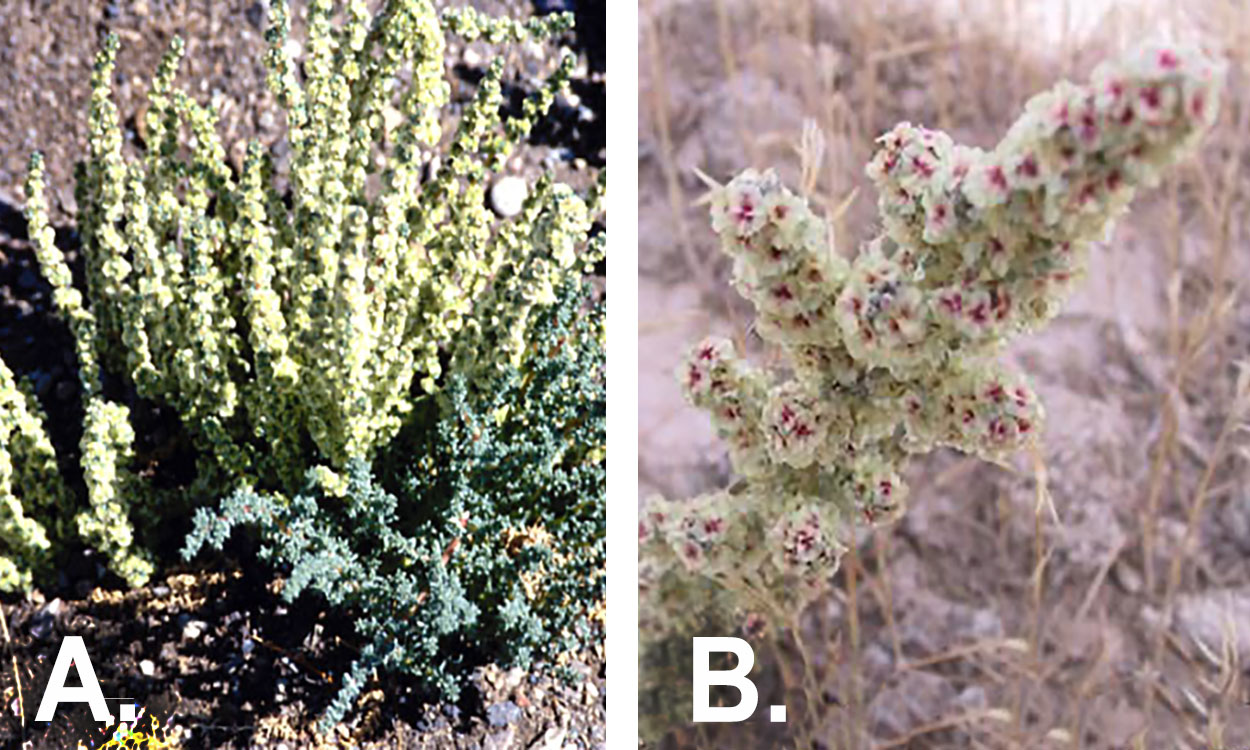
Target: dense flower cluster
{"points": [[27, 456], [290, 333], [893, 353]]}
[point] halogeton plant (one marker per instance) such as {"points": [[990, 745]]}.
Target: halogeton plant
{"points": [[490, 546], [291, 333], [894, 353]]}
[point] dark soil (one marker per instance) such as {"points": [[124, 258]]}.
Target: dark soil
{"points": [[224, 659], [220, 655]]}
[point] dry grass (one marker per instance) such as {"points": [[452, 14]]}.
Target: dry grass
{"points": [[1099, 596]]}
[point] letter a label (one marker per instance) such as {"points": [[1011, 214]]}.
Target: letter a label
{"points": [[73, 653]]}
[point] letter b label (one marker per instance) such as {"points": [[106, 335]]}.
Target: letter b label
{"points": [[705, 678]]}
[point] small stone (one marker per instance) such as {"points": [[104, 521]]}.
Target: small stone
{"points": [[503, 714], [534, 50], [140, 8], [255, 14], [238, 154], [1206, 616], [507, 196], [147, 668], [430, 170], [500, 740], [878, 658], [553, 6], [249, 646], [972, 698], [1126, 576], [471, 57], [552, 739], [1152, 618], [293, 48], [41, 626], [194, 629], [69, 204], [391, 118]]}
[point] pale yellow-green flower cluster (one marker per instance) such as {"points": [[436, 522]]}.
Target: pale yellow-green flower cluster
{"points": [[32, 494], [540, 250], [289, 331], [893, 353], [107, 436]]}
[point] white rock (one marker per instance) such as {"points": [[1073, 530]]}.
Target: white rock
{"points": [[1217, 615], [552, 739], [194, 629], [911, 700], [147, 667], [500, 740], [507, 195], [391, 119]]}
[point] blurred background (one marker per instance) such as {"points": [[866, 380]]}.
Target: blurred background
{"points": [[981, 619]]}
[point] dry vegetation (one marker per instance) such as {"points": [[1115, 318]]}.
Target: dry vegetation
{"points": [[1099, 596]]}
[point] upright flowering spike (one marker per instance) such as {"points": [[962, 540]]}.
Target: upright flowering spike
{"points": [[31, 490], [68, 300], [986, 245]]}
